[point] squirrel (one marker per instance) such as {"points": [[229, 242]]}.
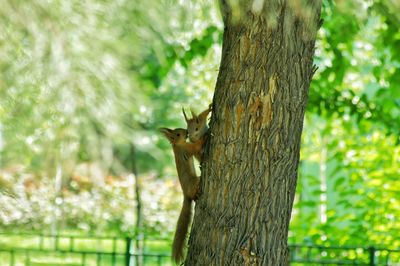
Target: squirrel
{"points": [[184, 152], [197, 129]]}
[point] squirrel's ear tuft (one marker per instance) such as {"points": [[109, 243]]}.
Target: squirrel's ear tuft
{"points": [[166, 131], [203, 115], [193, 114], [184, 114]]}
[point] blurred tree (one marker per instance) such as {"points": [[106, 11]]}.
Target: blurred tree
{"points": [[87, 82], [256, 125], [62, 80], [350, 147], [81, 82]]}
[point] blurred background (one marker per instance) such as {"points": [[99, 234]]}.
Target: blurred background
{"points": [[85, 177]]}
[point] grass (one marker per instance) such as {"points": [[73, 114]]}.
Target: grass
{"points": [[35, 250]]}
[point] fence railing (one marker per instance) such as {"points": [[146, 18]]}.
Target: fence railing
{"points": [[45, 250], [343, 255]]}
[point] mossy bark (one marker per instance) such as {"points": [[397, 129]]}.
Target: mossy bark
{"points": [[250, 168]]}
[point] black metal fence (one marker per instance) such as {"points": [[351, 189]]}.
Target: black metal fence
{"points": [[344, 255], [45, 249], [68, 250]]}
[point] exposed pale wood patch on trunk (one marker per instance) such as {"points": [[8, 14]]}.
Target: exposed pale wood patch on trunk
{"points": [[244, 47], [248, 257], [268, 100], [255, 112]]}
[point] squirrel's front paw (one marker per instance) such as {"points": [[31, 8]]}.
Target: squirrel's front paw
{"points": [[197, 194]]}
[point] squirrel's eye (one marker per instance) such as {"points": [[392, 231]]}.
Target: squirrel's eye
{"points": [[178, 135], [197, 128]]}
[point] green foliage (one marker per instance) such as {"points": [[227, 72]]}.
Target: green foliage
{"points": [[62, 81], [346, 193], [350, 159], [354, 45]]}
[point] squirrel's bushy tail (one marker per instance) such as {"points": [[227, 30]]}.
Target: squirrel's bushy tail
{"points": [[181, 231]]}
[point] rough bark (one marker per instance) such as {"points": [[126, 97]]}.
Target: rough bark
{"points": [[250, 168]]}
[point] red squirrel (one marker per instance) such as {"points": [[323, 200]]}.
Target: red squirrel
{"points": [[189, 181], [184, 152], [197, 130]]}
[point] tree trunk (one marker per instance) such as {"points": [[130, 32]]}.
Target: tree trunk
{"points": [[251, 159]]}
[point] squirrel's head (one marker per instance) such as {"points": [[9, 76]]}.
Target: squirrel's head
{"points": [[197, 125], [175, 136]]}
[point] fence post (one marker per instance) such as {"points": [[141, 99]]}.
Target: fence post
{"points": [[128, 251], [12, 259], [371, 256]]}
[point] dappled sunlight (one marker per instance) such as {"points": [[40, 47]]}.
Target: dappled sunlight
{"points": [[85, 87]]}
